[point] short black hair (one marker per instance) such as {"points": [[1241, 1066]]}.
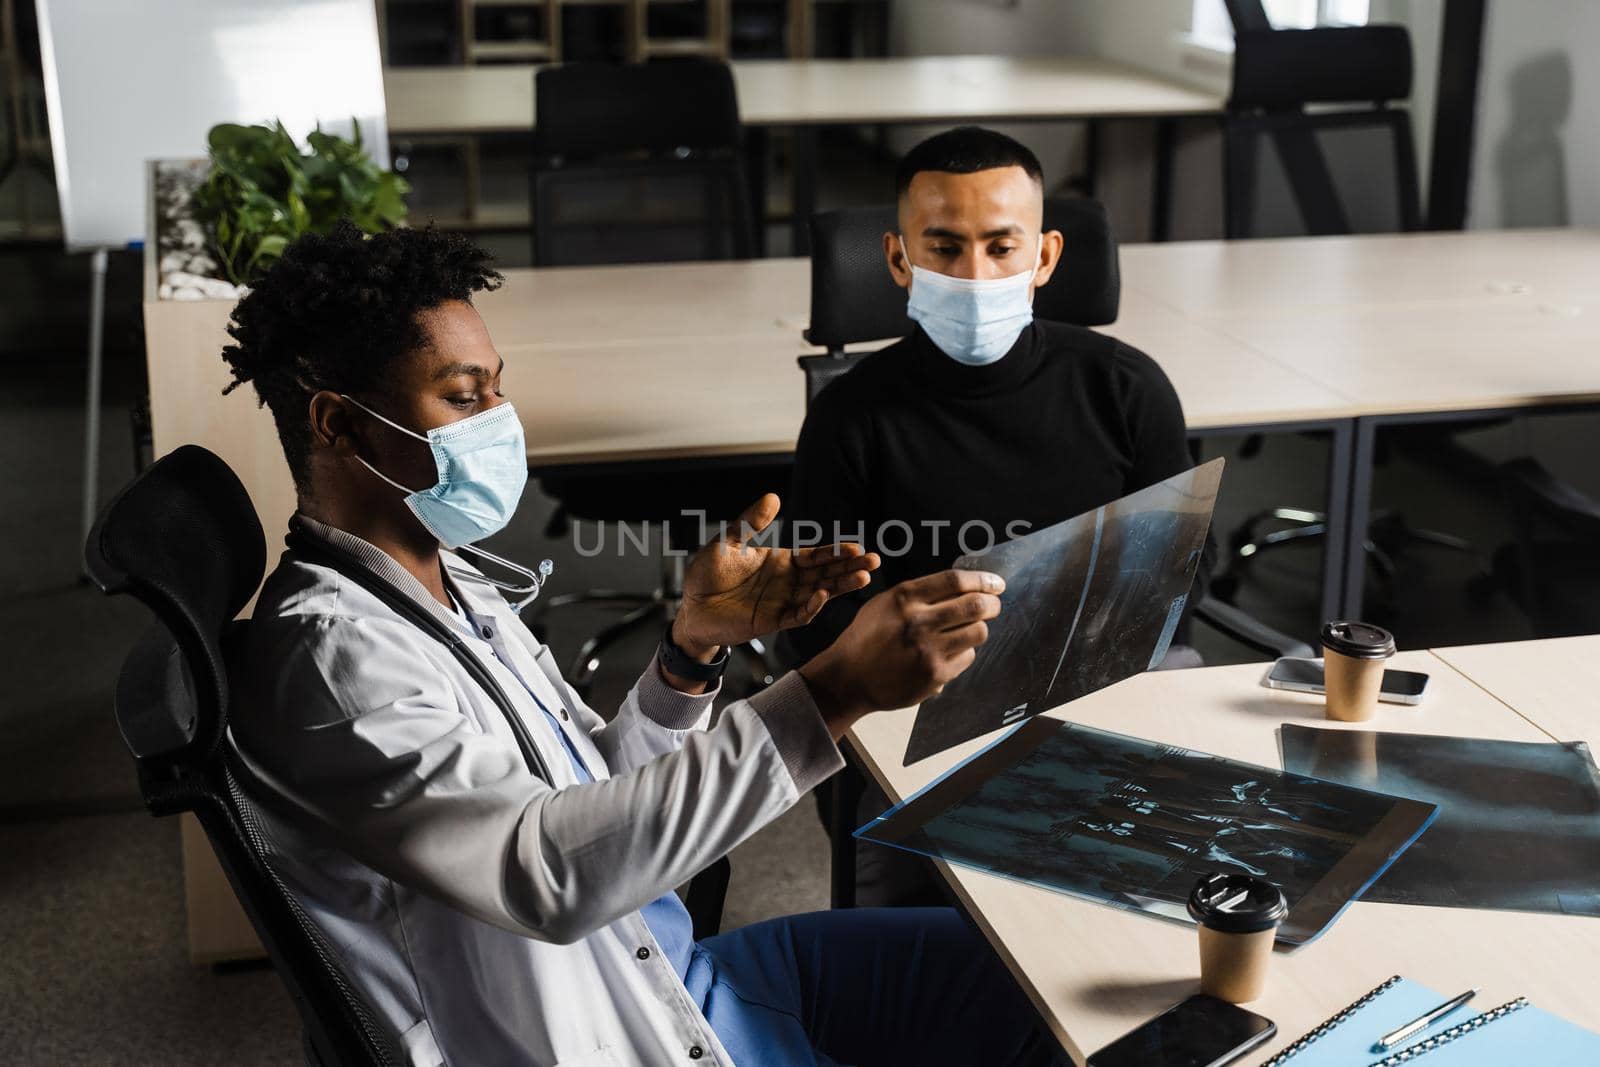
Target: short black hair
{"points": [[337, 311], [965, 150]]}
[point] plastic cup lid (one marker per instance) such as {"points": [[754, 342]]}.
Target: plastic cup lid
{"points": [[1237, 903], [1358, 640]]}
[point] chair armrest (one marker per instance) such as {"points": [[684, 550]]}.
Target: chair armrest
{"points": [[1248, 630]]}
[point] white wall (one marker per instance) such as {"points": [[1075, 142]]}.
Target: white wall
{"points": [[1537, 154]]}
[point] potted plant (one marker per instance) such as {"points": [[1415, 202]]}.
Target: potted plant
{"points": [[223, 222]]}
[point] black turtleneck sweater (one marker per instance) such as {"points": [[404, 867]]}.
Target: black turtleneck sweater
{"points": [[1067, 420]]}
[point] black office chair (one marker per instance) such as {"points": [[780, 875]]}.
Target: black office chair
{"points": [[1323, 159], [855, 301], [183, 539], [636, 164]]}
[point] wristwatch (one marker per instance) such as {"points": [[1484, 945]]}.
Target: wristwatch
{"points": [[675, 660]]}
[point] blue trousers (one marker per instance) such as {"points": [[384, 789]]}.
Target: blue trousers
{"points": [[865, 987]]}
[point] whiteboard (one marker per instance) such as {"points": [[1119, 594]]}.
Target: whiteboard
{"points": [[128, 81]]}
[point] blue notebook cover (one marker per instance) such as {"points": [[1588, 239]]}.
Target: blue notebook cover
{"points": [[1512, 1033], [1349, 1039], [1515, 1033]]}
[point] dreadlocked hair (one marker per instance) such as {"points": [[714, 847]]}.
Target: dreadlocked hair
{"points": [[337, 311]]}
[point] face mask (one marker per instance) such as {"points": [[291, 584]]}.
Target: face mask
{"points": [[972, 321], [483, 466]]}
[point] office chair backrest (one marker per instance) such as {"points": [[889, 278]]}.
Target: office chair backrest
{"points": [[183, 539], [1329, 65], [853, 298], [638, 164], [1289, 171], [594, 110]]}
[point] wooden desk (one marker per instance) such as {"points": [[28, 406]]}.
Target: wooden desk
{"points": [[804, 94], [826, 92], [1551, 683], [1095, 972], [1286, 276], [739, 324], [1411, 324], [1409, 329]]}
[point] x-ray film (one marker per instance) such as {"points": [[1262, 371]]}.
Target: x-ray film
{"points": [[1088, 602], [1518, 826], [1135, 824]]}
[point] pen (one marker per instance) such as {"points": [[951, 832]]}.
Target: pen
{"points": [[1390, 1040]]}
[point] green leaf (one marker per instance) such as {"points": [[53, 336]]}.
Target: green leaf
{"points": [[262, 192]]}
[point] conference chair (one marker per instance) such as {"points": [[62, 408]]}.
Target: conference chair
{"points": [[641, 164], [184, 540], [854, 301], [1289, 169], [636, 164]]}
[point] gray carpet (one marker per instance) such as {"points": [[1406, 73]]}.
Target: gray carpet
{"points": [[95, 970]]}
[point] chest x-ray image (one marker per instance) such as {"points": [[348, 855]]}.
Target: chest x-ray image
{"points": [[1088, 602]]}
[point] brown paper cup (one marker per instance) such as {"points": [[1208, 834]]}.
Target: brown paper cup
{"points": [[1233, 967], [1352, 685]]}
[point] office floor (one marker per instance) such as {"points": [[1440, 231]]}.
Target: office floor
{"points": [[94, 971]]}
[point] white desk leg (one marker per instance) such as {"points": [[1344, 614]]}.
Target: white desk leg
{"points": [[91, 424]]}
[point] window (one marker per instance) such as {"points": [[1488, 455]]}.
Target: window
{"points": [[1212, 25]]}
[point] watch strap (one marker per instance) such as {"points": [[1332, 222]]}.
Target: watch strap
{"points": [[676, 661]]}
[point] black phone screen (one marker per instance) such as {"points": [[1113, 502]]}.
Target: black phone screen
{"points": [[1201, 1032]]}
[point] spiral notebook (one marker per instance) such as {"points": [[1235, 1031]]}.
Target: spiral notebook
{"points": [[1513, 1033]]}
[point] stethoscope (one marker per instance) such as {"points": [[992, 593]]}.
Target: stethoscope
{"points": [[317, 551], [519, 595]]}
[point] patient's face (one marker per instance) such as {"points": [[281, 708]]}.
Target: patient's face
{"points": [[976, 226]]}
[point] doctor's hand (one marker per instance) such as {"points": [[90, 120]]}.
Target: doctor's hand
{"points": [[904, 645], [734, 590]]}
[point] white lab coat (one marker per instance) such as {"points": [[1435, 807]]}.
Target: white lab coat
{"points": [[488, 917]]}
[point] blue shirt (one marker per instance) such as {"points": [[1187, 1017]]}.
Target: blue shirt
{"points": [[667, 918]]}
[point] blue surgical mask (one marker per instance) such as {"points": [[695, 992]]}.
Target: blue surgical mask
{"points": [[970, 320], [483, 467]]}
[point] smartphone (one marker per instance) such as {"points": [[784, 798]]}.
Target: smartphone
{"points": [[1201, 1032], [1305, 676]]}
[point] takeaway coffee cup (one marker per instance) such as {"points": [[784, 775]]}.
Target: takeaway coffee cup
{"points": [[1353, 658], [1238, 916]]}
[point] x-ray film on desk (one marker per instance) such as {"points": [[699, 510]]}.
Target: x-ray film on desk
{"points": [[1088, 602], [1135, 823], [1519, 821]]}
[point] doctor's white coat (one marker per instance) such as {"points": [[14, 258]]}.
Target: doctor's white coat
{"points": [[490, 917]]}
